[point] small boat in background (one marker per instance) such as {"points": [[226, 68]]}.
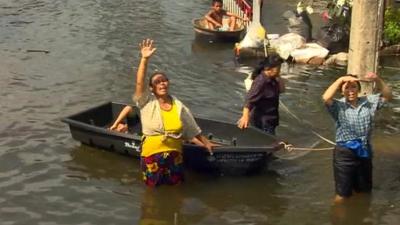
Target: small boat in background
{"points": [[241, 152], [204, 33]]}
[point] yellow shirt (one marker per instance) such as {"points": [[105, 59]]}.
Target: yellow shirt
{"points": [[161, 143], [150, 116]]}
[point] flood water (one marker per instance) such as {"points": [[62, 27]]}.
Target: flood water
{"points": [[48, 178]]}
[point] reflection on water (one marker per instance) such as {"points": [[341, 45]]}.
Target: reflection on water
{"points": [[355, 211], [205, 47], [189, 203], [48, 178], [89, 163]]}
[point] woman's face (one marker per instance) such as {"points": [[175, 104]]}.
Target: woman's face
{"points": [[272, 72], [350, 91], [159, 85]]}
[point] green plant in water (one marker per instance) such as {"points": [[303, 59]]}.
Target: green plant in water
{"points": [[391, 29]]}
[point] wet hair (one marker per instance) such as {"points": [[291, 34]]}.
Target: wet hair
{"points": [[357, 82], [271, 61], [216, 1], [155, 74]]}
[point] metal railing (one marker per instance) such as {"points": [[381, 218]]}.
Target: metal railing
{"points": [[240, 8]]}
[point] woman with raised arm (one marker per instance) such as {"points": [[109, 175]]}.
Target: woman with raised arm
{"points": [[354, 116], [166, 123]]}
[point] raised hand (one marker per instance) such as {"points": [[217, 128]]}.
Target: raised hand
{"points": [[371, 76], [146, 48], [348, 79]]}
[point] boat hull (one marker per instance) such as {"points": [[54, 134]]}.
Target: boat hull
{"points": [[240, 152], [204, 34]]}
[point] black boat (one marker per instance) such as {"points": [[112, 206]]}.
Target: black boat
{"points": [[241, 152], [204, 33]]}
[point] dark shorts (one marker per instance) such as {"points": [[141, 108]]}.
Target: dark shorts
{"points": [[351, 172], [162, 168]]}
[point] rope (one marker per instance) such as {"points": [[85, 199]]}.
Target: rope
{"points": [[323, 138], [298, 119], [290, 148]]}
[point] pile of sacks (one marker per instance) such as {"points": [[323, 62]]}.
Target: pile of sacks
{"points": [[293, 47]]}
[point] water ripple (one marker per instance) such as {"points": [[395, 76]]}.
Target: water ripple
{"points": [[48, 178]]}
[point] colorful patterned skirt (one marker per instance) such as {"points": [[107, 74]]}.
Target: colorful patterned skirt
{"points": [[162, 168]]}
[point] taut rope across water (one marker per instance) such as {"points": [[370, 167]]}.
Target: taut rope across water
{"points": [[289, 147]]}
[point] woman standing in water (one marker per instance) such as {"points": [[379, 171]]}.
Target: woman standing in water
{"points": [[166, 123], [262, 100], [353, 115]]}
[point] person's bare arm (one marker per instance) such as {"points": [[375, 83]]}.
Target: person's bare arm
{"points": [[330, 92], [383, 88], [146, 49], [204, 142], [236, 16], [244, 120], [196, 141], [210, 19], [122, 115]]}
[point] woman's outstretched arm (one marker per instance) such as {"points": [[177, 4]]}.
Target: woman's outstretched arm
{"points": [[146, 49]]}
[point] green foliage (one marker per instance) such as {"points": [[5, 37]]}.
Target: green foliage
{"points": [[391, 31]]}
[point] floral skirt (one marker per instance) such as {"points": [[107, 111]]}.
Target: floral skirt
{"points": [[162, 168]]}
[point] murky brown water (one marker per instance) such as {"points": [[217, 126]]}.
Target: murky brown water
{"points": [[48, 178]]}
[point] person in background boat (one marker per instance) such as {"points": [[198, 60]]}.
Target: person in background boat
{"points": [[118, 124], [215, 16], [166, 122], [353, 115], [262, 100]]}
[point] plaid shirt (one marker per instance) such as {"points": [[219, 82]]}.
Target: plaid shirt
{"points": [[355, 123]]}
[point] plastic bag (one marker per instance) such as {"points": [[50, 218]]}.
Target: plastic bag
{"points": [[334, 37], [299, 23], [255, 36]]}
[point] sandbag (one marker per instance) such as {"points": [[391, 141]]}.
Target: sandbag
{"points": [[340, 58], [285, 44], [310, 51]]}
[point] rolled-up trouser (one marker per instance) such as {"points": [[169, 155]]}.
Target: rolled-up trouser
{"points": [[351, 172]]}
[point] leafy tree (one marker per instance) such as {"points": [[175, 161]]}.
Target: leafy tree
{"points": [[391, 30]]}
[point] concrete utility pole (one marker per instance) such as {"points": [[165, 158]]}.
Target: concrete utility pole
{"points": [[365, 39]]}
